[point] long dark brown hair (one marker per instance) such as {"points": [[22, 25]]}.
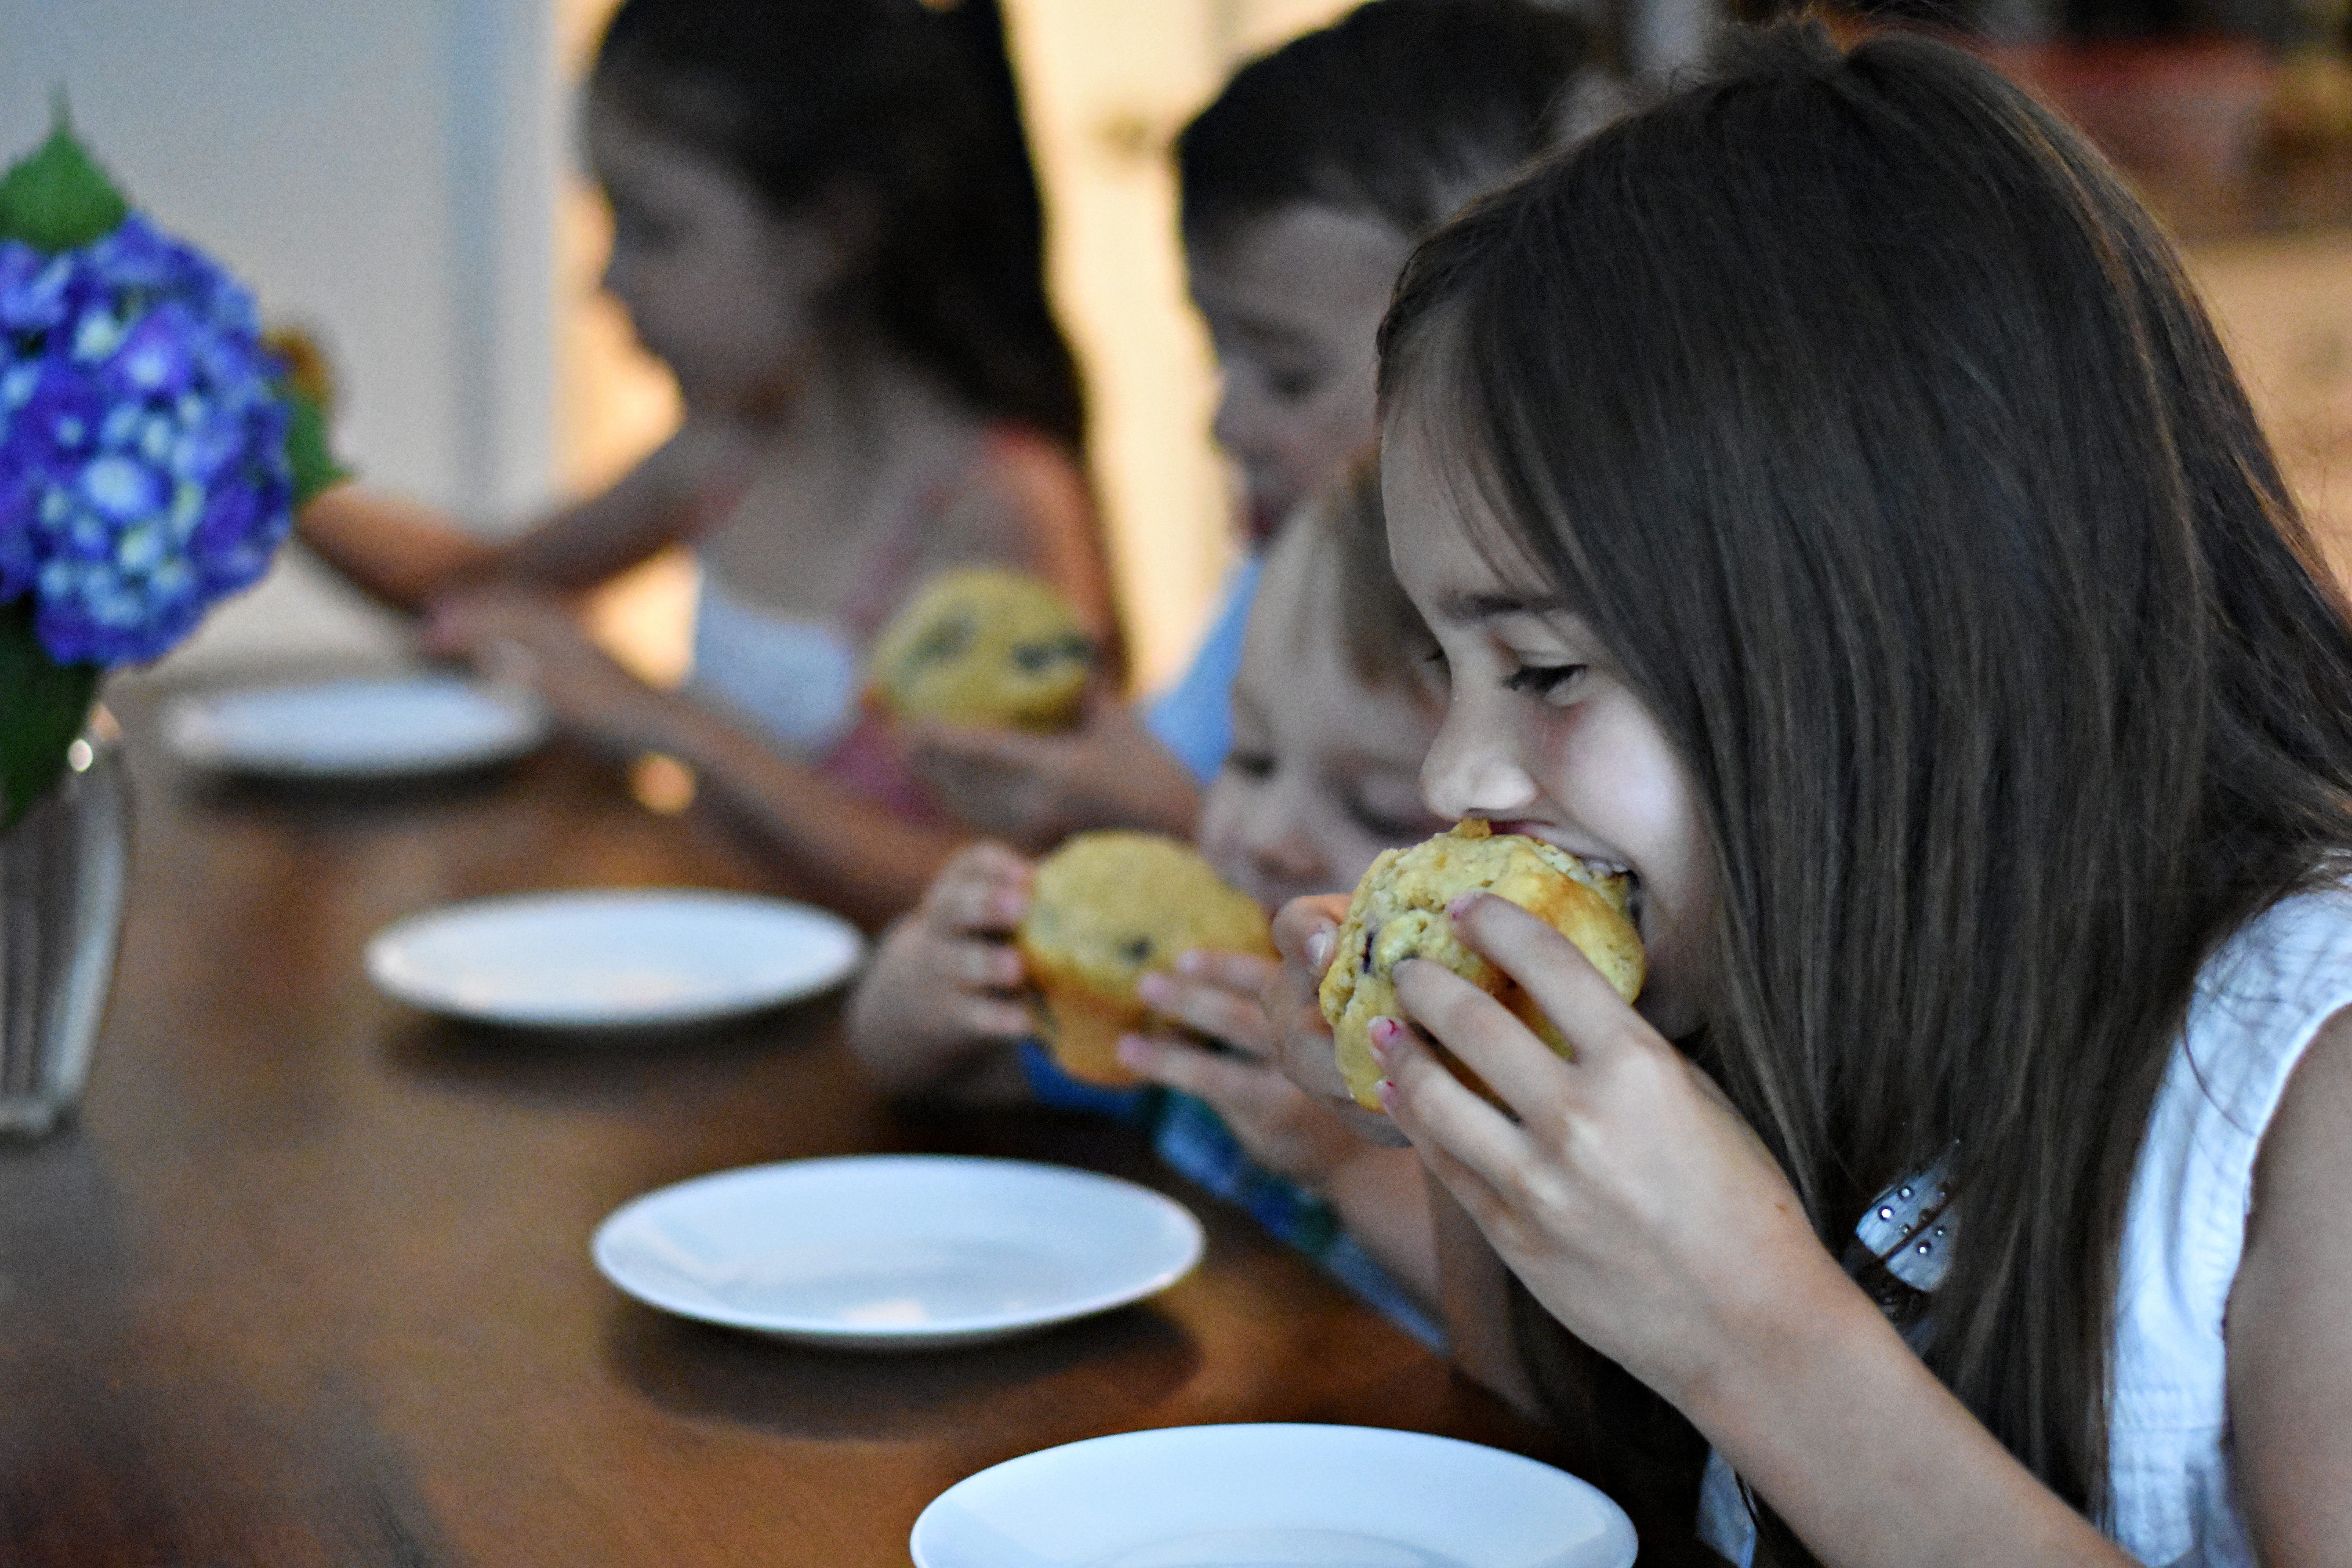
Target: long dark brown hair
{"points": [[912, 108], [1874, 429]]}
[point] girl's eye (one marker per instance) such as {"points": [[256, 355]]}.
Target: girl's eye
{"points": [[1545, 682], [1252, 766]]}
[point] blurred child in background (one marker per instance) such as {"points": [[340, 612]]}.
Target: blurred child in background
{"points": [[826, 224], [1332, 712], [1303, 185]]}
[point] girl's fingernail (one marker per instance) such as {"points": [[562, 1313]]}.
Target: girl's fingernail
{"points": [[1384, 1033], [1134, 1050], [1385, 1091], [1318, 949], [1460, 903], [1193, 960], [1156, 988]]}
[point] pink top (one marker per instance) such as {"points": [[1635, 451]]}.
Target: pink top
{"points": [[801, 680]]}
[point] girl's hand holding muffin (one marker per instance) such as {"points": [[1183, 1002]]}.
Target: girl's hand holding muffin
{"points": [[1620, 1184], [1218, 994], [1305, 931], [947, 990]]}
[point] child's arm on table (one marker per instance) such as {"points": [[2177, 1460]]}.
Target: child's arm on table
{"points": [[407, 554], [836, 847], [939, 1007], [1377, 1192], [1649, 1219]]}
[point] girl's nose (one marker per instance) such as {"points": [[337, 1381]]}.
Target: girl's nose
{"points": [[1472, 767]]}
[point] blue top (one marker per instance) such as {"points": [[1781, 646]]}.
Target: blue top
{"points": [[1192, 1140], [1194, 718]]}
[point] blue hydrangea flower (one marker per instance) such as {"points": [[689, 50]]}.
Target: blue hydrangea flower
{"points": [[142, 444]]}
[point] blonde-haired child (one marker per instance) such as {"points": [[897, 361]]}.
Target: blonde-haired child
{"points": [[826, 224], [1331, 716]]}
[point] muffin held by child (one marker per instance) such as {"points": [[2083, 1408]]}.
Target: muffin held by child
{"points": [[1399, 912], [1105, 910], [981, 645]]}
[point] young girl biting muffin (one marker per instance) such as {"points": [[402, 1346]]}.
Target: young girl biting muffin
{"points": [[1836, 512]]}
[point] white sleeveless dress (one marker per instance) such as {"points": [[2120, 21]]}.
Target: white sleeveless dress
{"points": [[2259, 1002], [798, 679]]}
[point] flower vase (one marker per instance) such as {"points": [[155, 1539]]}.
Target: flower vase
{"points": [[63, 871]]}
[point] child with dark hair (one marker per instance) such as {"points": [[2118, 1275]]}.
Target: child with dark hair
{"points": [[1835, 512], [826, 224], [1303, 187]]}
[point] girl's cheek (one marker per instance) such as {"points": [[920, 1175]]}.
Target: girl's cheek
{"points": [[1287, 844]]}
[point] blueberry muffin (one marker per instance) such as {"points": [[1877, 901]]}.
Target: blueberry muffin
{"points": [[1105, 910], [983, 645], [1399, 912]]}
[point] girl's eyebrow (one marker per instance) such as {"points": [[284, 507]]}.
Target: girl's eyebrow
{"points": [[1464, 608]]}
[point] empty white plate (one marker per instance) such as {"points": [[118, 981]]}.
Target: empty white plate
{"points": [[364, 729], [897, 1251], [1272, 1494], [591, 960]]}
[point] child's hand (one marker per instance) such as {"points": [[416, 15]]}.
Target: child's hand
{"points": [[1627, 1193], [1218, 994], [530, 638], [1037, 790], [945, 985], [1303, 932]]}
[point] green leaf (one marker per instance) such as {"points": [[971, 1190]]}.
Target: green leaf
{"points": [[308, 449], [59, 198], [42, 706]]}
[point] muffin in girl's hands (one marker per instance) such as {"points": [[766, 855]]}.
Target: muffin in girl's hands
{"points": [[1399, 912], [980, 645], [1106, 909]]}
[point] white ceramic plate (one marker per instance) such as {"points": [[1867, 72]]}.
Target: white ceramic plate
{"points": [[621, 959], [1268, 1495], [369, 728], [897, 1251]]}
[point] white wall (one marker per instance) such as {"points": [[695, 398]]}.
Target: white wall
{"points": [[381, 170], [398, 174]]}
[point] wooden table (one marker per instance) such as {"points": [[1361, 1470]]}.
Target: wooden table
{"points": [[308, 1280]]}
